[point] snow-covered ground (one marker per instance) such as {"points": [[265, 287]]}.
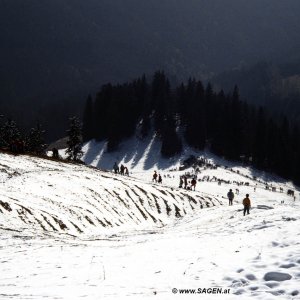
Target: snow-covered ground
{"points": [[70, 232]]}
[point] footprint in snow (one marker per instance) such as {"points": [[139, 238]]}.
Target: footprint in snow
{"points": [[287, 266], [277, 276], [272, 284], [239, 292], [250, 277], [239, 283], [264, 207]]}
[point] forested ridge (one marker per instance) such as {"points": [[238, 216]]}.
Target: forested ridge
{"points": [[186, 114], [197, 115]]}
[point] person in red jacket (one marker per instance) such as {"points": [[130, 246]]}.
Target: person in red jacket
{"points": [[247, 204]]}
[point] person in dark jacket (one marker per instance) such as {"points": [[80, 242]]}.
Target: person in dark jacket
{"points": [[247, 205], [185, 182], [159, 179], [116, 168], [55, 153], [180, 182], [154, 177], [193, 183], [122, 169], [126, 171], [230, 196]]}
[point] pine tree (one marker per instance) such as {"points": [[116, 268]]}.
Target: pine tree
{"points": [[260, 139], [101, 107], [10, 133], [236, 127], [171, 143], [195, 132], [35, 141], [272, 146], [295, 158], [285, 149], [74, 142], [146, 125], [2, 143], [88, 121], [219, 133], [160, 98], [114, 127]]}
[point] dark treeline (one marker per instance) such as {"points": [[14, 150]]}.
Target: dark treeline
{"points": [[29, 112], [14, 139], [18, 141], [196, 114]]}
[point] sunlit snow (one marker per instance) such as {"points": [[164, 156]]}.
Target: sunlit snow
{"points": [[69, 231]]}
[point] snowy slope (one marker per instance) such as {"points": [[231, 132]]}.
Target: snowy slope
{"points": [[130, 255], [56, 196]]}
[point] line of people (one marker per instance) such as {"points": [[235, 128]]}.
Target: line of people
{"points": [[122, 170], [183, 183], [188, 185]]}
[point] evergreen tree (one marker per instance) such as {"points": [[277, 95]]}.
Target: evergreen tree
{"points": [[160, 98], [219, 133], [248, 131], [101, 116], [88, 121], [146, 125], [115, 126], [146, 109], [260, 138], [2, 143], [295, 157], [171, 143], [10, 132], [141, 92], [35, 141], [284, 161], [272, 146], [236, 127], [74, 142], [195, 132]]}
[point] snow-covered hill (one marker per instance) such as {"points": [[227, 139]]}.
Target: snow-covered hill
{"points": [[60, 197], [70, 231]]}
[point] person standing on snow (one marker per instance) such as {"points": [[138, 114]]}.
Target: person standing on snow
{"points": [[122, 169], [116, 168], [159, 179], [180, 182], [154, 177], [230, 196], [126, 171], [185, 182], [193, 183], [247, 204]]}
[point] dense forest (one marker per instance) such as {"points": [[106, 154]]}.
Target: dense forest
{"points": [[194, 114]]}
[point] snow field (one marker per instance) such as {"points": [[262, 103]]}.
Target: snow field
{"points": [[256, 256]]}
